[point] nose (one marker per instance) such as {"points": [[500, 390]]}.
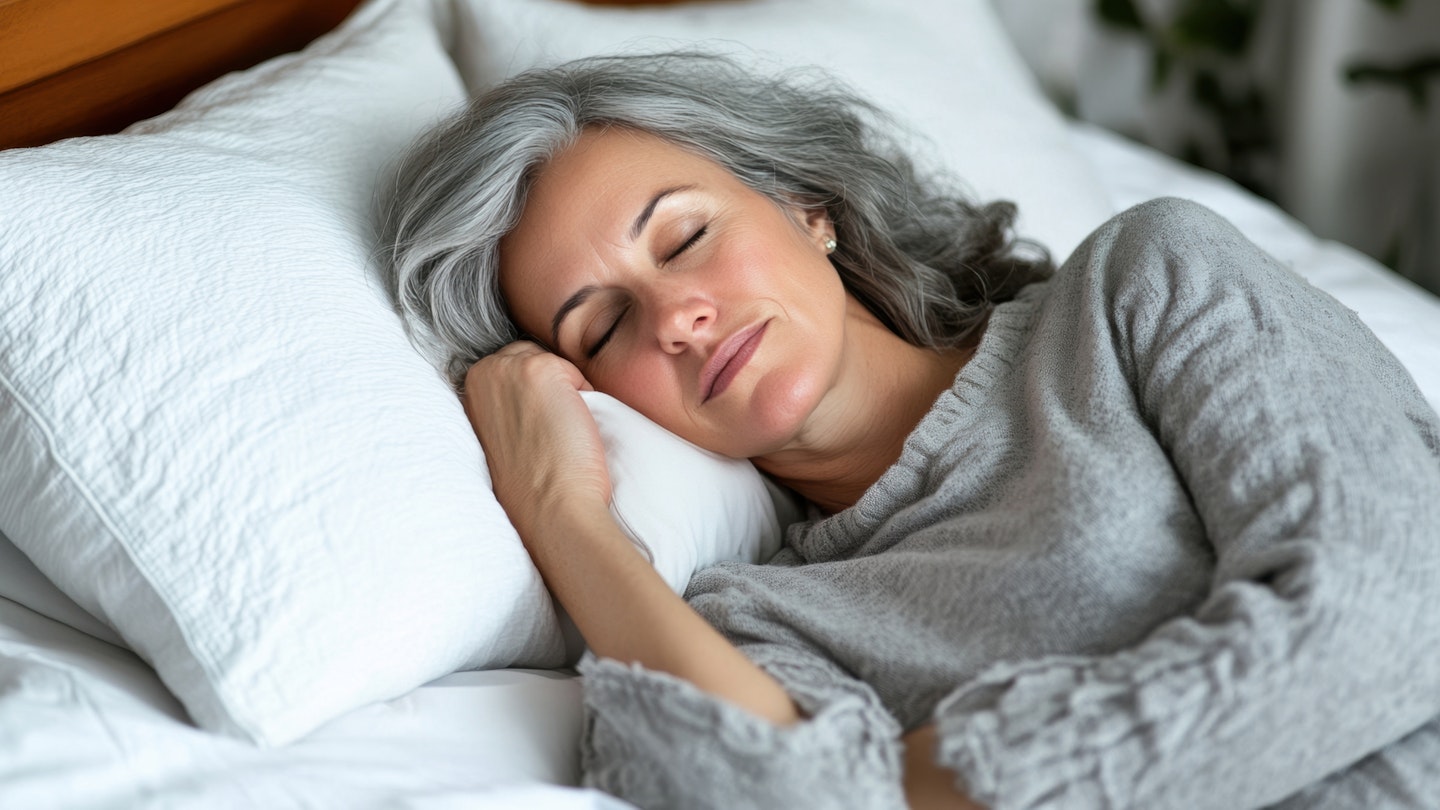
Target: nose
{"points": [[683, 318]]}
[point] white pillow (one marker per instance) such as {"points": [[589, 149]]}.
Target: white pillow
{"points": [[217, 438], [684, 507], [944, 67], [21, 582]]}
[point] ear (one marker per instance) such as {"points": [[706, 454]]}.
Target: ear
{"points": [[817, 224]]}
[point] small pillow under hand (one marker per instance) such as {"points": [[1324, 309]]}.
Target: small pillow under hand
{"points": [[684, 507]]}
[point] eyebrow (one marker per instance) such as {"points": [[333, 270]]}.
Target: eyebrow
{"points": [[570, 303], [649, 210], [583, 294]]}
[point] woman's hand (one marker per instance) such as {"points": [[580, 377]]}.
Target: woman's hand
{"points": [[540, 441], [548, 468], [927, 785]]}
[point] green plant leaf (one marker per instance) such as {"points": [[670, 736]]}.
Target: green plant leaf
{"points": [[1160, 69], [1206, 92], [1223, 26], [1120, 14], [1413, 77]]}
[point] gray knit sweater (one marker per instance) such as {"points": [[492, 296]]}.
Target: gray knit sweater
{"points": [[1171, 540]]}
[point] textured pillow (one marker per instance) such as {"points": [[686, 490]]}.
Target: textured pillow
{"points": [[945, 68], [217, 438], [21, 582]]}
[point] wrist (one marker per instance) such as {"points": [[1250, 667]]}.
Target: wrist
{"points": [[564, 531], [568, 513]]}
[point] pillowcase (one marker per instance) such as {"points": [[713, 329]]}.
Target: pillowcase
{"points": [[21, 582], [944, 68], [217, 438], [219, 441], [682, 506], [685, 507]]}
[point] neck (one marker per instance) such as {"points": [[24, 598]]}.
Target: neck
{"points": [[859, 430]]}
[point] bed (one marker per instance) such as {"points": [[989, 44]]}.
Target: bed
{"points": [[248, 558]]}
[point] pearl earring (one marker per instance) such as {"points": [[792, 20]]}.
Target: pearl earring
{"points": [[830, 245]]}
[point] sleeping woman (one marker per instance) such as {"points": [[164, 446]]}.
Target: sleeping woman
{"points": [[1157, 529]]}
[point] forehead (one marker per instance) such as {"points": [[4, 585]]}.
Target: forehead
{"points": [[606, 169], [580, 208]]}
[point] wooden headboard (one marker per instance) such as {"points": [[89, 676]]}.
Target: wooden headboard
{"points": [[88, 67], [84, 67]]}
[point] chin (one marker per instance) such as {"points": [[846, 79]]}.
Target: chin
{"points": [[778, 409]]}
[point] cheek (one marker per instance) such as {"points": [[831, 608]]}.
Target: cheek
{"points": [[785, 271], [647, 385], [749, 271]]}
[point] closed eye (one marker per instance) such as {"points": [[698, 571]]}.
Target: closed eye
{"points": [[609, 333], [689, 243], [605, 338]]}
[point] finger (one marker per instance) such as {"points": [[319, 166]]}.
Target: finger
{"points": [[573, 375], [521, 348]]}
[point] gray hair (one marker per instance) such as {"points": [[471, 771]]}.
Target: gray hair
{"points": [[927, 262]]}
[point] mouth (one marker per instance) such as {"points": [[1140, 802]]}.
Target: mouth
{"points": [[728, 360]]}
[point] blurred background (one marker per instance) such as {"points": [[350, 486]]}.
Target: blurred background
{"points": [[1330, 108]]}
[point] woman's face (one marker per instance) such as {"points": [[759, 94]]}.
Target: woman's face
{"points": [[678, 290]]}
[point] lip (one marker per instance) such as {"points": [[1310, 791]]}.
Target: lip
{"points": [[727, 361]]}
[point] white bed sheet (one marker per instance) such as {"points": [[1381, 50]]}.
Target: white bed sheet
{"points": [[86, 724]]}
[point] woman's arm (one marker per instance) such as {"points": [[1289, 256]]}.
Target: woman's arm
{"points": [[611, 590], [676, 714], [548, 470], [626, 612], [1314, 465]]}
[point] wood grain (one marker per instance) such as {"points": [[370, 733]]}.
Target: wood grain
{"points": [[44, 38], [105, 83], [90, 67]]}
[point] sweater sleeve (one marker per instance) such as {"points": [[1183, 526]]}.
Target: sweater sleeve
{"points": [[658, 741], [1311, 459]]}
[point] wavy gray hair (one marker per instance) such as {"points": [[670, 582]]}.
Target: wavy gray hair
{"points": [[923, 259]]}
